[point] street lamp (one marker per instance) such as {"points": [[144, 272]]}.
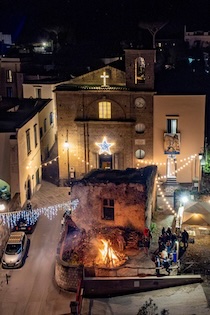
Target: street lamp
{"points": [[183, 201], [202, 164], [66, 146], [2, 207]]}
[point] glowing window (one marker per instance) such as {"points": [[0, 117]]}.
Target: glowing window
{"points": [[9, 76], [172, 125], [35, 135], [104, 110], [28, 141]]}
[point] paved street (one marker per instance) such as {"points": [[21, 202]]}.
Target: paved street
{"points": [[49, 194], [31, 289], [183, 300]]}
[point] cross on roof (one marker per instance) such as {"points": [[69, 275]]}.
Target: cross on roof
{"points": [[104, 76]]}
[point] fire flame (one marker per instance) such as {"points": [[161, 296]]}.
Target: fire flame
{"points": [[109, 257]]}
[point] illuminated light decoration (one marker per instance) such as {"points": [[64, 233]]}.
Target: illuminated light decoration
{"points": [[74, 203], [50, 162], [104, 76], [191, 158], [164, 198], [150, 162], [104, 146], [31, 216]]}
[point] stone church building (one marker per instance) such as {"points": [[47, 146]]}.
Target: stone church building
{"points": [[111, 118], [100, 116]]}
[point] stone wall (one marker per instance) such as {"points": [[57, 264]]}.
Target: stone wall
{"points": [[67, 277], [129, 207], [125, 272]]}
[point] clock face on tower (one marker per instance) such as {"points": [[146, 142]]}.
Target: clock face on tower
{"points": [[140, 102]]}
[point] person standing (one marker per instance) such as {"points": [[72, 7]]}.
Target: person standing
{"points": [[121, 242], [185, 238], [146, 240]]}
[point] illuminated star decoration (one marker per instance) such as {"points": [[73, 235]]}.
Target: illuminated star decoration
{"points": [[104, 146]]}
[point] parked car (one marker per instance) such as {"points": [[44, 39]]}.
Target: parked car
{"points": [[15, 250], [26, 223]]}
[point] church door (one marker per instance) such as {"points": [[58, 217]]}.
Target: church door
{"points": [[105, 161]]}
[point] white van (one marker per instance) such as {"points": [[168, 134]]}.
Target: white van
{"points": [[15, 250]]}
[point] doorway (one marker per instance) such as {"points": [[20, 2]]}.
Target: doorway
{"points": [[105, 161], [28, 190]]}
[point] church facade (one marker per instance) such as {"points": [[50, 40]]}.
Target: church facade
{"points": [[113, 119], [101, 115]]}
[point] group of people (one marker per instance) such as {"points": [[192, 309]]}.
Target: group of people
{"points": [[170, 248], [167, 250]]}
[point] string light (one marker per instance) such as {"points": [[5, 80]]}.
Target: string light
{"points": [[51, 210], [164, 198], [50, 161], [189, 160], [151, 162], [31, 216]]}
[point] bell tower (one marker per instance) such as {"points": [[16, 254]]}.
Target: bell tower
{"points": [[139, 68]]}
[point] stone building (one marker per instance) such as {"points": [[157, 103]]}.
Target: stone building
{"points": [[111, 198], [100, 113], [111, 118]]}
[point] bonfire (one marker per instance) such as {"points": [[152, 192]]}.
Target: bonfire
{"points": [[107, 256]]}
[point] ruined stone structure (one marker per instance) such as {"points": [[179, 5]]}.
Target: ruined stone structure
{"points": [[115, 198]]}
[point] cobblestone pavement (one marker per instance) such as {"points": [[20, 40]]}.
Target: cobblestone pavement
{"points": [[50, 194]]}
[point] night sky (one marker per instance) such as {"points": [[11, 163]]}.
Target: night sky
{"points": [[97, 20]]}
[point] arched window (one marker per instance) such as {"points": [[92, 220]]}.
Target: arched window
{"points": [[104, 110], [139, 70]]}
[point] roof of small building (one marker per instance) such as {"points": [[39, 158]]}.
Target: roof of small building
{"points": [[130, 175], [14, 113], [93, 80]]}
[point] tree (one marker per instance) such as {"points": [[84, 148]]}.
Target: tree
{"points": [[150, 308], [153, 28]]}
